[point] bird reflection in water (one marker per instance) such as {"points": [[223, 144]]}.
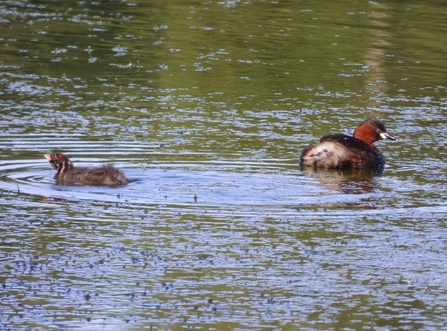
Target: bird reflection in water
{"points": [[352, 181]]}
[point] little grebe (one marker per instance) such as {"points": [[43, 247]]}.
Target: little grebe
{"points": [[336, 151], [68, 173]]}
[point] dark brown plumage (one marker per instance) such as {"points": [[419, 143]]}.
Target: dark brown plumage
{"points": [[68, 173], [337, 151]]}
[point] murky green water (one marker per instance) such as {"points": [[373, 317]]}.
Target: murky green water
{"points": [[206, 107]]}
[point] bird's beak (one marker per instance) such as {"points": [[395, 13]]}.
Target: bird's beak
{"points": [[386, 135]]}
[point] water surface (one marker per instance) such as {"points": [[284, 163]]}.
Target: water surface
{"points": [[206, 107]]}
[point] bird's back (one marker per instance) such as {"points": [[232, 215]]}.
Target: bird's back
{"points": [[341, 151]]}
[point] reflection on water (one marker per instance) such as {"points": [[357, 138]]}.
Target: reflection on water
{"points": [[345, 180], [206, 107]]}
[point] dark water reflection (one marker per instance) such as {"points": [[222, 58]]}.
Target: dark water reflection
{"points": [[346, 180], [206, 108]]}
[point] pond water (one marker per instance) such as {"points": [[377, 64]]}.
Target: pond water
{"points": [[206, 107]]}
